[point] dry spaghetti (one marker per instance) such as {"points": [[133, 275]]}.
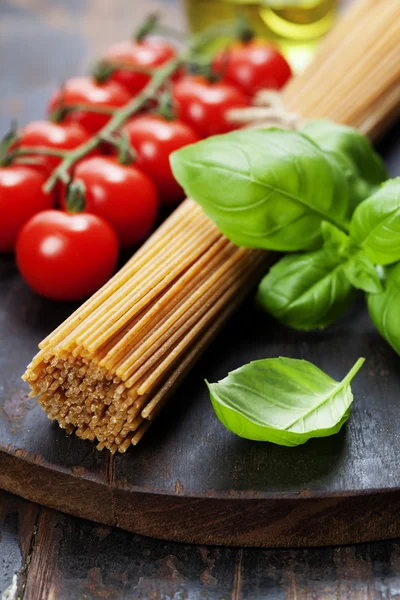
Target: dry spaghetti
{"points": [[107, 371]]}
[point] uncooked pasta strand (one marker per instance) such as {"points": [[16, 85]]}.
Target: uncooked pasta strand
{"points": [[98, 331], [185, 213], [176, 293]]}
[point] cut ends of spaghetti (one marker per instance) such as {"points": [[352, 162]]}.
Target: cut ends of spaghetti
{"points": [[107, 371]]}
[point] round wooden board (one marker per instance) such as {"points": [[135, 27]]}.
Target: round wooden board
{"points": [[192, 480]]}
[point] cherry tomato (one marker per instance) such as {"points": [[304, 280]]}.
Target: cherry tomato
{"points": [[85, 90], [21, 196], [121, 194], [58, 136], [204, 105], [148, 53], [66, 256], [154, 138], [253, 66]]}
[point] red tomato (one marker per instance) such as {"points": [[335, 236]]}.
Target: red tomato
{"points": [[85, 90], [21, 196], [253, 66], [204, 105], [121, 194], [58, 136], [154, 138], [66, 256], [148, 53]]}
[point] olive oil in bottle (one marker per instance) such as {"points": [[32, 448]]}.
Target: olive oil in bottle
{"points": [[295, 26]]}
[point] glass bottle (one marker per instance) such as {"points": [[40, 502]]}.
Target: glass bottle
{"points": [[295, 26]]}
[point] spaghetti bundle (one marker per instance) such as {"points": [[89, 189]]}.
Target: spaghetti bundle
{"points": [[109, 368], [106, 372], [355, 77]]}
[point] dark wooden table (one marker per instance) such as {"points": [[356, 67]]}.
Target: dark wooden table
{"points": [[45, 554], [59, 557]]}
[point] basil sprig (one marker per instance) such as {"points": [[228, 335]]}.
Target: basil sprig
{"points": [[282, 400], [312, 290]]}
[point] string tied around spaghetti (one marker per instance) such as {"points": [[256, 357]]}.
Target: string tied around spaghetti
{"points": [[268, 110]]}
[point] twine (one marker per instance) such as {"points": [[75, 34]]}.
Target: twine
{"points": [[268, 110]]}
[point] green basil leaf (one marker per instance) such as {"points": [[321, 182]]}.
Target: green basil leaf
{"points": [[335, 241], [384, 308], [363, 166], [357, 268], [362, 274], [306, 291], [375, 225], [282, 400], [265, 188]]}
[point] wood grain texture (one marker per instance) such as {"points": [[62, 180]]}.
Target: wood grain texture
{"points": [[70, 558], [190, 479], [18, 528], [209, 486]]}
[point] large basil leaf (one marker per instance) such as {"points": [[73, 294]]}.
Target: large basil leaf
{"points": [[306, 291], [375, 225], [363, 166], [282, 400], [384, 308], [265, 188]]}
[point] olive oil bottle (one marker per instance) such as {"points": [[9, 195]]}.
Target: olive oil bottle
{"points": [[295, 26]]}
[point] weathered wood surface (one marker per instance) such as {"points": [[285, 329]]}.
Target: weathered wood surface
{"points": [[48, 555], [45, 554], [189, 479]]}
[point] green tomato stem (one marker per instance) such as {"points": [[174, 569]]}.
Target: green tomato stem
{"points": [[166, 106], [38, 150], [104, 69], [171, 31], [102, 110], [75, 198], [244, 31], [6, 143], [122, 65], [121, 115], [126, 154], [150, 24]]}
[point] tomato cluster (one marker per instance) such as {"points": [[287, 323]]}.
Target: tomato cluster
{"points": [[67, 240]]}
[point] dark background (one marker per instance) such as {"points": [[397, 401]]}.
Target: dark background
{"points": [[45, 554]]}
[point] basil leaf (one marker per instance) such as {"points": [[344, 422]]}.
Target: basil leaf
{"points": [[282, 400], [375, 225], [306, 291], [363, 166], [357, 268], [384, 309], [362, 274], [335, 241], [265, 188]]}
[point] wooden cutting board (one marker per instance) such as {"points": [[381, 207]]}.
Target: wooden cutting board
{"points": [[192, 480]]}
